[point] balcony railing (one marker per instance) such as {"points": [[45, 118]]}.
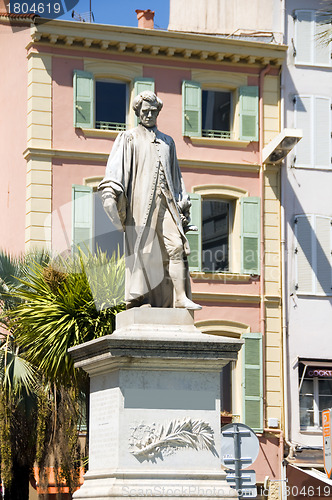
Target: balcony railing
{"points": [[217, 134], [118, 127]]}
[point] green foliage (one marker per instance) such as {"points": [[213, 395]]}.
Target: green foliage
{"points": [[16, 373], [47, 306], [11, 270], [65, 304]]}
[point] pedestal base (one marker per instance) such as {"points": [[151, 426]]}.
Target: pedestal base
{"points": [[154, 408], [98, 486]]}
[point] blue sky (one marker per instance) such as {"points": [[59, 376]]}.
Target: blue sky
{"points": [[122, 12]]}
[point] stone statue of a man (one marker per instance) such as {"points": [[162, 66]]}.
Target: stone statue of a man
{"points": [[143, 194]]}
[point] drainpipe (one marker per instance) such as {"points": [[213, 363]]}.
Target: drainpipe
{"points": [[284, 287], [279, 433], [262, 74], [283, 290]]}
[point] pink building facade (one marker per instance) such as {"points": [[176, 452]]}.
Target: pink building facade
{"points": [[221, 106]]}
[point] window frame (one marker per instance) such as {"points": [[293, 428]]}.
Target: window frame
{"points": [[314, 242], [243, 96], [116, 72], [127, 107], [312, 124], [314, 32], [231, 220], [315, 394], [232, 113], [236, 240], [89, 186]]}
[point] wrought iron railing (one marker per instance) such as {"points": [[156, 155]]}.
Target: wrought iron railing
{"points": [[217, 134], [110, 126]]}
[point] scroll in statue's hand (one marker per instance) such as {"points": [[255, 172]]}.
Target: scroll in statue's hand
{"points": [[184, 208]]}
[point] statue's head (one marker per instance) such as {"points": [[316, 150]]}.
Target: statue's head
{"points": [[147, 107]]}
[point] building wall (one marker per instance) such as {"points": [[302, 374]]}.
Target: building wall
{"points": [[306, 191], [221, 16], [13, 134], [60, 155]]}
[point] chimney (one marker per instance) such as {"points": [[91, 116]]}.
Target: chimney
{"points": [[145, 18], [3, 6]]}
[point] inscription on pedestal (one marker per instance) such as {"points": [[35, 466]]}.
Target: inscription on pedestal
{"points": [[104, 430]]}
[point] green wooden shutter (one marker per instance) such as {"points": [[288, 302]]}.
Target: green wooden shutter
{"points": [[140, 85], [191, 109], [82, 212], [83, 99], [252, 356], [250, 235], [195, 237], [249, 113]]}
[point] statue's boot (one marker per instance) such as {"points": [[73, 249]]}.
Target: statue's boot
{"points": [[177, 275]]}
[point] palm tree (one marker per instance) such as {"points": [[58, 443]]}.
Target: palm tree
{"points": [[54, 307], [19, 383]]}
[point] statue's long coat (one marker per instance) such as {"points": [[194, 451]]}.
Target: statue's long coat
{"points": [[132, 169]]}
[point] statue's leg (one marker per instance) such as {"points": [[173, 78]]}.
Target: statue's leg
{"points": [[177, 274], [177, 270]]}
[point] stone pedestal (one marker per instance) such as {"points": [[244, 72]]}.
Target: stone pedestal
{"points": [[155, 408]]}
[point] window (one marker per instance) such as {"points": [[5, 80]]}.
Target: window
{"points": [[313, 248], [315, 393], [103, 104], [111, 105], [215, 235], [210, 112], [228, 236], [91, 227], [313, 116], [309, 49], [216, 114]]}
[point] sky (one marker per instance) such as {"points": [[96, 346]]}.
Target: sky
{"points": [[122, 12]]}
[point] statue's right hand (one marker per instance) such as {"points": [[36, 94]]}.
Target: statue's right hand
{"points": [[110, 207]]}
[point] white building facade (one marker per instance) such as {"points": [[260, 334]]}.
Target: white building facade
{"points": [[306, 207]]}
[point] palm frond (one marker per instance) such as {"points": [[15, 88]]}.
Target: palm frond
{"points": [[16, 373], [56, 315], [324, 35]]}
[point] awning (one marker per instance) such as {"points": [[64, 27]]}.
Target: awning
{"points": [[307, 483], [317, 364]]}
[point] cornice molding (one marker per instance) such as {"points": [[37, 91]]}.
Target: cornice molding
{"points": [[226, 297], [213, 165], [214, 141], [223, 277], [102, 157], [243, 298], [230, 192], [122, 39], [222, 327], [31, 153]]}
